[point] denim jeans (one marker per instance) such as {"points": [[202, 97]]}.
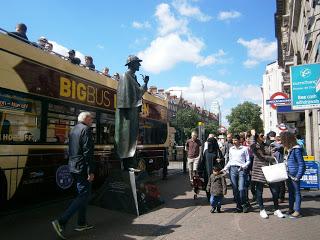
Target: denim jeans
{"points": [[294, 195], [274, 189], [238, 181], [79, 204], [282, 192], [215, 201]]}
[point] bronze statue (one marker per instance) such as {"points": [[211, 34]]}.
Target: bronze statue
{"points": [[129, 103]]}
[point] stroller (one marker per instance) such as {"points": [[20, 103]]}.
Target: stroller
{"points": [[198, 183]]}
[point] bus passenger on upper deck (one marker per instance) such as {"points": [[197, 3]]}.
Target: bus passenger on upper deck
{"points": [[48, 47], [20, 33], [106, 72], [89, 62], [42, 41], [116, 76], [72, 57]]}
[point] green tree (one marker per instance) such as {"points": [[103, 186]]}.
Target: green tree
{"points": [[244, 117], [211, 127], [185, 122]]}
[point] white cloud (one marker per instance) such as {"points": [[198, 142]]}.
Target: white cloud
{"points": [[165, 52], [249, 92], [227, 15], [259, 50], [216, 90], [140, 25], [250, 63], [175, 42], [62, 50], [168, 22], [185, 9], [212, 59]]}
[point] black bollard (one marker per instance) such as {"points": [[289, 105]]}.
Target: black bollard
{"points": [[184, 161]]}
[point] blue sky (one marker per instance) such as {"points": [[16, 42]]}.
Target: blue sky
{"points": [[223, 46]]}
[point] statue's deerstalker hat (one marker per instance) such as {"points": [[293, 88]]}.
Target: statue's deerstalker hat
{"points": [[132, 58]]}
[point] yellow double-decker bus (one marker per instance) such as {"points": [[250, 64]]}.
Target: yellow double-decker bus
{"points": [[41, 95]]}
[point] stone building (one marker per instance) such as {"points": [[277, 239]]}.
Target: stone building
{"points": [[297, 25]]}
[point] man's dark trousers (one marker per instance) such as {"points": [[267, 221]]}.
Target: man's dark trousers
{"points": [[79, 204]]}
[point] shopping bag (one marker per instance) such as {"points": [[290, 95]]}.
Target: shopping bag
{"points": [[275, 173]]}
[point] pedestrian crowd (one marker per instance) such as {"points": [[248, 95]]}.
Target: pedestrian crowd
{"points": [[44, 44], [242, 158]]}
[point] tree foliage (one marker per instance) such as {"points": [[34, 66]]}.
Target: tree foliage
{"points": [[185, 122], [244, 117], [212, 128]]}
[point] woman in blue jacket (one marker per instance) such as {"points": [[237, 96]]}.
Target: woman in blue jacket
{"points": [[296, 169]]}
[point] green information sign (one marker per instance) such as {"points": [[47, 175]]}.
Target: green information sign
{"points": [[304, 94]]}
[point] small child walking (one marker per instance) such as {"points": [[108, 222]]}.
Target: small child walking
{"points": [[217, 187]]}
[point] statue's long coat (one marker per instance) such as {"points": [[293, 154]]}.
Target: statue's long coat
{"points": [[129, 103]]}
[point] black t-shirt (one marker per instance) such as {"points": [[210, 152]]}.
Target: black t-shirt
{"points": [[75, 60], [19, 36]]}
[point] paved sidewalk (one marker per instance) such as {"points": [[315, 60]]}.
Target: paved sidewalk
{"points": [[180, 217]]}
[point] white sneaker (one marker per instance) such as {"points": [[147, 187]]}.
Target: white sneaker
{"points": [[263, 214], [278, 213]]}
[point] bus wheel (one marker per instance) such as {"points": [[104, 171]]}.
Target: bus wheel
{"points": [[3, 189]]}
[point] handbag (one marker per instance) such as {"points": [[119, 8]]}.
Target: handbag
{"points": [[275, 173]]}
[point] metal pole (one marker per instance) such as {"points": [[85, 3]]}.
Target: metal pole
{"points": [[315, 130], [184, 161], [309, 134]]}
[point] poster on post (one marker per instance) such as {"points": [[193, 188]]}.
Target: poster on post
{"points": [[310, 179]]}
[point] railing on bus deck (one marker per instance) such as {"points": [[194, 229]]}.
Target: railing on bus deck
{"points": [[34, 44]]}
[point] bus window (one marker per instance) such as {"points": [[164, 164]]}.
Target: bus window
{"points": [[61, 119], [106, 128], [152, 132], [20, 119]]}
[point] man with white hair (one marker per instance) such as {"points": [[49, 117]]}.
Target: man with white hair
{"points": [[81, 166]]}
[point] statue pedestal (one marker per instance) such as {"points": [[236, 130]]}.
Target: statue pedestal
{"points": [[128, 191]]}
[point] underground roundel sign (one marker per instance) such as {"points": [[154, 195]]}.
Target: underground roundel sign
{"points": [[282, 127], [64, 178], [278, 98]]}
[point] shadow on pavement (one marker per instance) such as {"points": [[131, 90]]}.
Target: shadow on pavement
{"points": [[35, 223], [308, 212]]}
